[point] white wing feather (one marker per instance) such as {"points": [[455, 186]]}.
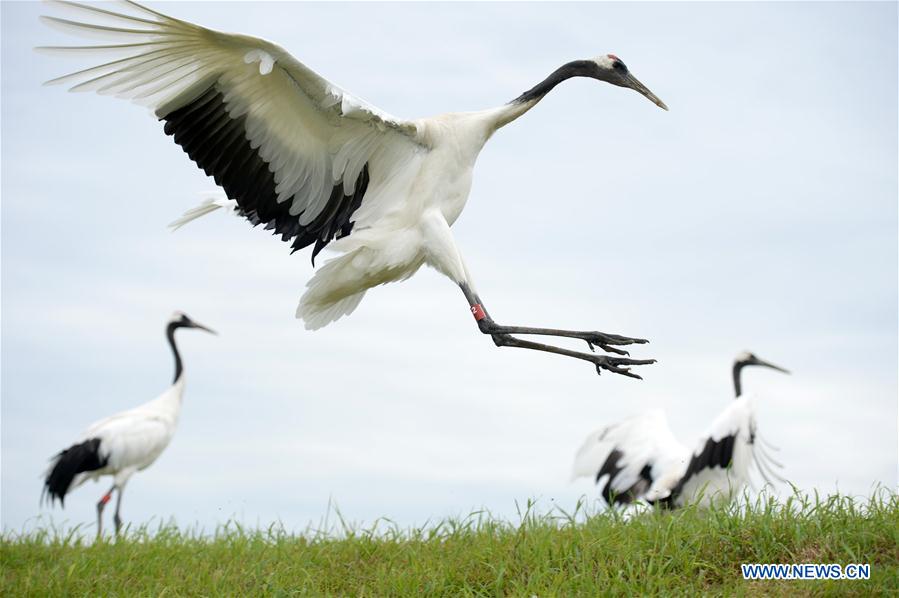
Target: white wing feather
{"points": [[643, 440], [312, 133], [709, 484], [209, 205]]}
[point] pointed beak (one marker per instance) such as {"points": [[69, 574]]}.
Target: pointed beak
{"points": [[201, 327], [635, 84], [771, 365]]}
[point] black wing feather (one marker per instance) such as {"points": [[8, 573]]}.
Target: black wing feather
{"points": [[629, 495], [217, 143], [715, 453]]}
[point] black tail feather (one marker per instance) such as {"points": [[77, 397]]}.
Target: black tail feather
{"points": [[70, 462]]}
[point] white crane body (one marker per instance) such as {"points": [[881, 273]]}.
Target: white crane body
{"points": [[122, 444]]}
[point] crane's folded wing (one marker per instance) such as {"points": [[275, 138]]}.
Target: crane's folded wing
{"points": [[133, 438]]}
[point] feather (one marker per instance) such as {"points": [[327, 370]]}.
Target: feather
{"points": [[638, 457], [295, 152], [208, 206]]}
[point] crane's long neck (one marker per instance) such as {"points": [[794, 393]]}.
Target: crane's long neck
{"points": [[530, 98], [738, 368], [170, 334]]}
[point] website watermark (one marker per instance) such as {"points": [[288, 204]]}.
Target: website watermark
{"points": [[805, 571]]}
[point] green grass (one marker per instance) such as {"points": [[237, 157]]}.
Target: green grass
{"points": [[687, 552]]}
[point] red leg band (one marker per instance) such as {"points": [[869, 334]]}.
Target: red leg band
{"points": [[106, 498], [478, 312]]}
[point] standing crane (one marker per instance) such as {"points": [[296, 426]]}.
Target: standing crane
{"points": [[318, 166], [641, 459], [124, 443]]}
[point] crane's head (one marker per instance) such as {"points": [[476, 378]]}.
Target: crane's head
{"points": [[181, 320], [746, 358], [611, 69]]}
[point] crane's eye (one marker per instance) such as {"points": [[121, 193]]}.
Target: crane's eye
{"points": [[619, 66]]}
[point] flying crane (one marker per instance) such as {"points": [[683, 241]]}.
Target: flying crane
{"points": [[316, 165]]}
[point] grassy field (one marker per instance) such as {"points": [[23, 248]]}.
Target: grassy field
{"points": [[686, 552]]}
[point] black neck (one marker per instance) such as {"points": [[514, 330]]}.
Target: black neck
{"points": [[578, 68], [738, 367], [170, 333]]}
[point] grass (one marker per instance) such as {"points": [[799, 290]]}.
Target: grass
{"points": [[660, 553]]}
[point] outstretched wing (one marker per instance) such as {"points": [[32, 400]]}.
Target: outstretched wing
{"points": [[638, 458], [295, 151], [720, 465]]}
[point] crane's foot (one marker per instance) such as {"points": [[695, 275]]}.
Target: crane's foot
{"points": [[607, 342], [616, 365], [610, 343]]}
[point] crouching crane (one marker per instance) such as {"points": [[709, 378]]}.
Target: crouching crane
{"points": [[319, 167], [640, 459], [122, 444]]}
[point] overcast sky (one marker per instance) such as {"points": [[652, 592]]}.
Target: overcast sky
{"points": [[760, 213]]}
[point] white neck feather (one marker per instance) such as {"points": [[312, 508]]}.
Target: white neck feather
{"points": [[168, 404], [503, 115]]}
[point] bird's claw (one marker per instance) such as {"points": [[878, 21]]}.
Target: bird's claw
{"points": [[607, 348], [615, 365], [606, 341]]}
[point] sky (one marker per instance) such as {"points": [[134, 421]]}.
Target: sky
{"points": [[759, 214]]}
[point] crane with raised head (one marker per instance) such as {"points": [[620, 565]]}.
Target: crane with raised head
{"points": [[639, 459], [122, 444], [307, 160]]}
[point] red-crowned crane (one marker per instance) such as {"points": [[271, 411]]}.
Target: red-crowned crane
{"points": [[641, 459], [124, 443], [318, 166]]}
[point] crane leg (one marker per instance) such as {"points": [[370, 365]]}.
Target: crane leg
{"points": [[502, 337], [118, 505], [101, 504]]}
